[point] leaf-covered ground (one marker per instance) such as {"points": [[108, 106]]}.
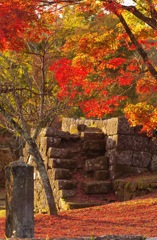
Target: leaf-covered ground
{"points": [[136, 217]]}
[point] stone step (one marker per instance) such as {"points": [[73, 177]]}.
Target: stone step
{"points": [[95, 164], [66, 193], [2, 193], [65, 184], [67, 205], [59, 173], [95, 187], [2, 204], [61, 163], [2, 198], [92, 135], [58, 153], [131, 187], [53, 132], [64, 152], [95, 145]]}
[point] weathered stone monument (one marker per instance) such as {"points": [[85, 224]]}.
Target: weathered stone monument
{"points": [[19, 200]]}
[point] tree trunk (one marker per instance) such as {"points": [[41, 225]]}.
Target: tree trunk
{"points": [[139, 48], [34, 151]]}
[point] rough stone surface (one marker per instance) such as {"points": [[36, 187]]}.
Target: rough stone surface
{"points": [[59, 173], [120, 170], [2, 198], [95, 164], [110, 142], [97, 187], [120, 157], [52, 132], [101, 175], [141, 159], [97, 145], [6, 157], [47, 142], [123, 142], [65, 184], [66, 193], [140, 143], [126, 151], [118, 126], [19, 200], [128, 188], [153, 146], [61, 163], [58, 153], [153, 164], [94, 136]]}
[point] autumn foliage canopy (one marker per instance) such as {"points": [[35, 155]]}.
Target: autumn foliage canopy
{"points": [[107, 53]]}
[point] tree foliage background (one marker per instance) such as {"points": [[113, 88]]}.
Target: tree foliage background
{"points": [[76, 58]]}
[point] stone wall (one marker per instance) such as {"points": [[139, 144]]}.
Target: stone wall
{"points": [[128, 151], [65, 155], [9, 152], [101, 150]]}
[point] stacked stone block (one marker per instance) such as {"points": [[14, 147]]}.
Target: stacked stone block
{"points": [[102, 150], [130, 187], [128, 151], [96, 164], [64, 154], [60, 164]]}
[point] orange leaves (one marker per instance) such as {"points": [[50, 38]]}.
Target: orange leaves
{"points": [[66, 73], [76, 83], [135, 217], [133, 66], [69, 77], [146, 86], [115, 62], [113, 219], [15, 18], [101, 107], [126, 79], [113, 6], [21, 21]]}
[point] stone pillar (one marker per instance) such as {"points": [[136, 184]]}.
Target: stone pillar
{"points": [[19, 200]]}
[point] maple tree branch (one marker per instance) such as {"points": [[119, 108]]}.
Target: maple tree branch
{"points": [[47, 3], [139, 48], [61, 1], [13, 123], [150, 21], [7, 89]]}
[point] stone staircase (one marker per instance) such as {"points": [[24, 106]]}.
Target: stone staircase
{"points": [[2, 197], [79, 171]]}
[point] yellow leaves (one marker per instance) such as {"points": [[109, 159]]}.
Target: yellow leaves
{"points": [[107, 39], [142, 114], [83, 59]]}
